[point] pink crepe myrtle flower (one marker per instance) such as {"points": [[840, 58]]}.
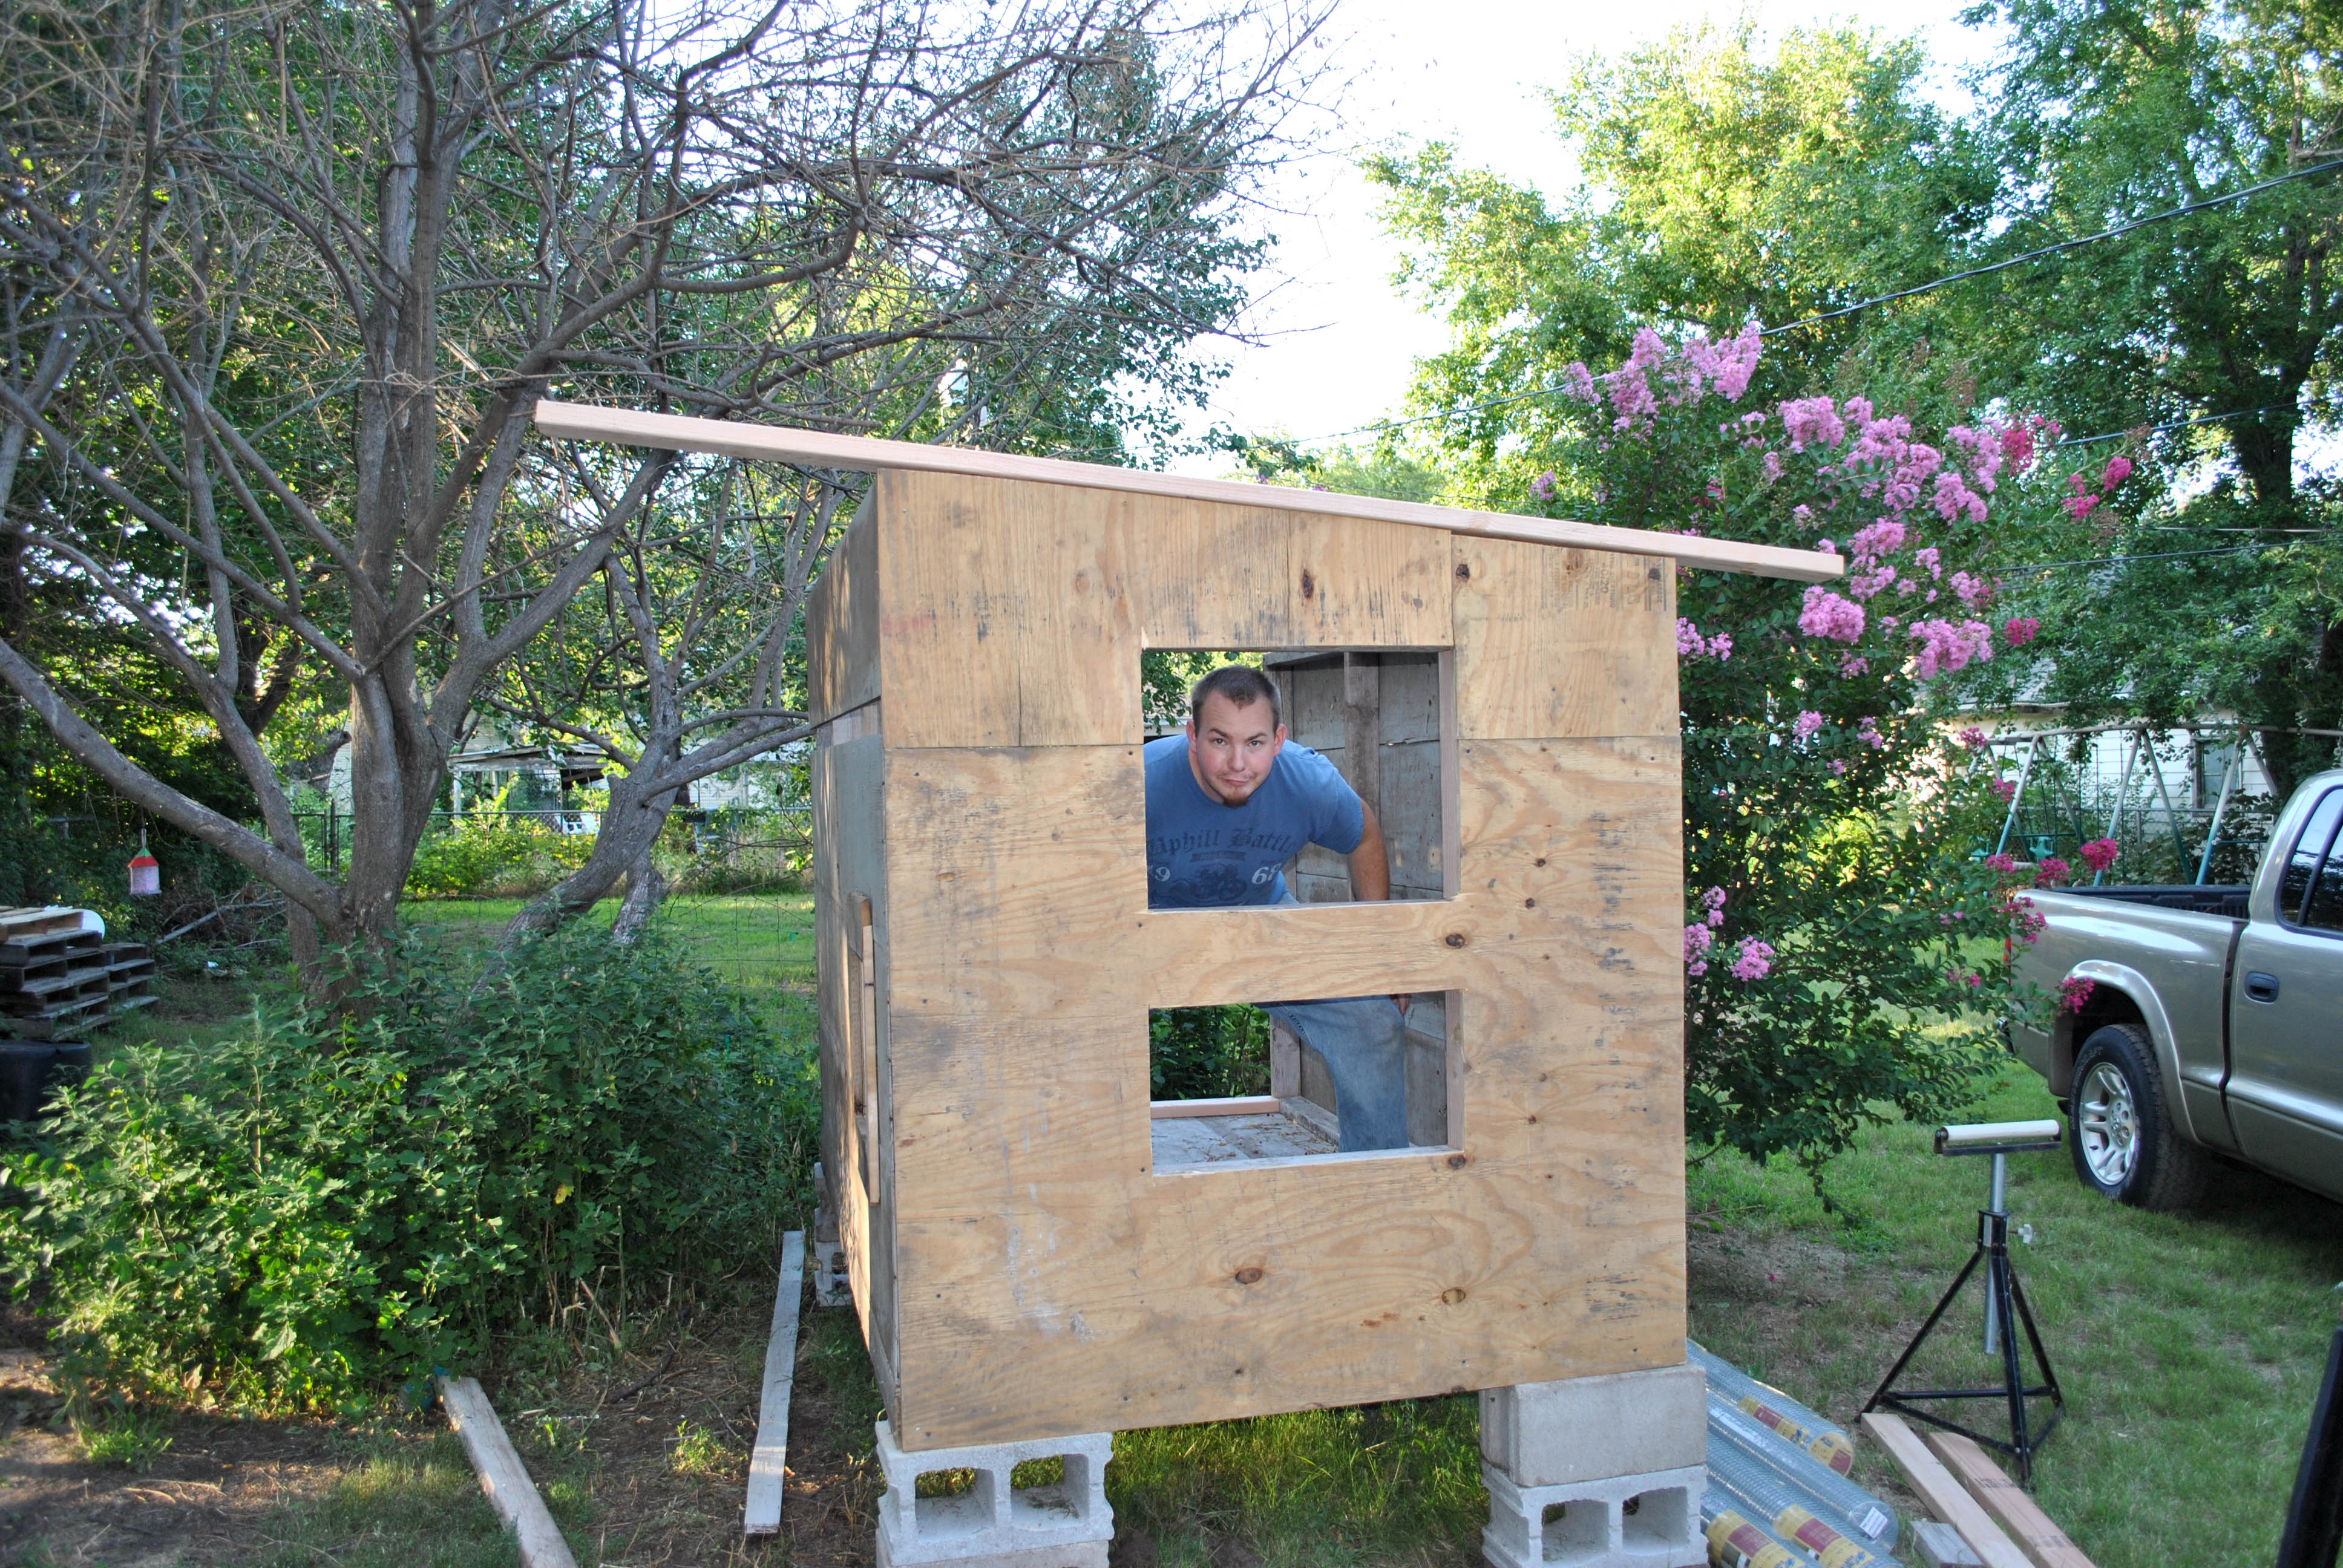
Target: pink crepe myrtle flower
{"points": [[1696, 940], [1714, 901], [2082, 506], [1728, 364], [1867, 732], [1953, 498], [2074, 992], [1946, 646], [1973, 590], [2025, 921], [1691, 644], [1543, 486], [2005, 788], [1850, 667], [1863, 585], [2051, 870], [1578, 382], [1811, 422], [1756, 961], [1884, 537], [1838, 767], [1806, 723], [1828, 614], [2118, 470], [1931, 558], [2003, 862], [2100, 853], [1773, 467], [2019, 630], [1803, 515], [1972, 737]]}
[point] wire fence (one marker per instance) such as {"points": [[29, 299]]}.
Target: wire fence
{"points": [[2188, 804]]}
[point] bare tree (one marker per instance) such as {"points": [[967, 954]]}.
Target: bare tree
{"points": [[679, 668], [318, 262]]}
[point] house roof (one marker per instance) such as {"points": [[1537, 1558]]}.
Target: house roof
{"points": [[777, 443]]}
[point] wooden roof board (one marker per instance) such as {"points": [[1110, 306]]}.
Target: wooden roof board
{"points": [[774, 443]]}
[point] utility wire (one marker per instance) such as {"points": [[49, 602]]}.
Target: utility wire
{"points": [[2036, 255], [2064, 245]]}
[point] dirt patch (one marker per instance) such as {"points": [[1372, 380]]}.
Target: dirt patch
{"points": [[659, 1446], [669, 1447], [199, 1501]]}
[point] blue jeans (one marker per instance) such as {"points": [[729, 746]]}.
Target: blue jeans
{"points": [[1365, 1041]]}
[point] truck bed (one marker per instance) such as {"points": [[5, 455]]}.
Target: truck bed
{"points": [[2227, 902]]}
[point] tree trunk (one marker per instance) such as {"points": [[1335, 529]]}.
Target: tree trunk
{"points": [[629, 827], [645, 889]]}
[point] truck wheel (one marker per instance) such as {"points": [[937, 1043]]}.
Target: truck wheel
{"points": [[2124, 1144]]}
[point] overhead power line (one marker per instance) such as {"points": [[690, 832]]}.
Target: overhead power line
{"points": [[2064, 245], [1556, 388]]}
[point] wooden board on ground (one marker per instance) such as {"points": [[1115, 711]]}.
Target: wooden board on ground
{"points": [[502, 1475], [2045, 1545], [769, 1461], [1944, 1494]]}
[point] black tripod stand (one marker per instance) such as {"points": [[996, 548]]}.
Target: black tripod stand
{"points": [[2004, 1307]]}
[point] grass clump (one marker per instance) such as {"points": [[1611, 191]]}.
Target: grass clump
{"points": [[316, 1207]]}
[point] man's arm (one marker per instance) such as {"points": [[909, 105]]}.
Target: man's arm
{"points": [[1370, 863]]}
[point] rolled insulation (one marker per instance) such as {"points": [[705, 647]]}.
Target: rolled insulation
{"points": [[1834, 1494], [1794, 1515], [1770, 1407], [1737, 1540]]}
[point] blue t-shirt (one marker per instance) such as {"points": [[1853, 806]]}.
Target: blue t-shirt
{"points": [[1201, 854]]}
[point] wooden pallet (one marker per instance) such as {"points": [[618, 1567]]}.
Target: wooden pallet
{"points": [[60, 978]]}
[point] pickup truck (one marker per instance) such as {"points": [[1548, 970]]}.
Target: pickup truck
{"points": [[2213, 1020]]}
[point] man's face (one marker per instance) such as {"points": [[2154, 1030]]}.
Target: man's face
{"points": [[1231, 747]]}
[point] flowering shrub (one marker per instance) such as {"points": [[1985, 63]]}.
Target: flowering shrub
{"points": [[1847, 957]]}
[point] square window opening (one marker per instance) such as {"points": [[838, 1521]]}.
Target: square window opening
{"points": [[1278, 1081], [1383, 719]]}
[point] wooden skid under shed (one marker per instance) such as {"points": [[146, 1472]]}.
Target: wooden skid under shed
{"points": [[768, 1462]]}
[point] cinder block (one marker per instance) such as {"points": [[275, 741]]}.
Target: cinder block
{"points": [[1646, 1520], [1066, 1524], [830, 1288], [1591, 1428]]}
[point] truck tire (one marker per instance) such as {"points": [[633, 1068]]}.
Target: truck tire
{"points": [[2124, 1144]]}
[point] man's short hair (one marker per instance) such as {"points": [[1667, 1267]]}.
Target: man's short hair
{"points": [[1243, 685]]}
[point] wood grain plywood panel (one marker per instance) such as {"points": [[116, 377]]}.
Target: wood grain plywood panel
{"points": [[1563, 642], [1006, 621], [1053, 1283], [843, 622], [850, 788], [1017, 874], [1202, 958], [1240, 578]]}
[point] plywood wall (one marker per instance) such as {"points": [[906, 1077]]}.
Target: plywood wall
{"points": [[1048, 1281]]}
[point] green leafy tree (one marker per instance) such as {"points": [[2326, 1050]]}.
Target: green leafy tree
{"points": [[1720, 187], [2104, 114]]}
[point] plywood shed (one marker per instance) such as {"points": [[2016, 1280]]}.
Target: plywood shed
{"points": [[1028, 1258]]}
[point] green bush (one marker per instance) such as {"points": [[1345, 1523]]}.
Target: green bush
{"points": [[312, 1208], [1207, 1052], [493, 854]]}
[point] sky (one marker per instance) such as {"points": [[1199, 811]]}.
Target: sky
{"points": [[1336, 340]]}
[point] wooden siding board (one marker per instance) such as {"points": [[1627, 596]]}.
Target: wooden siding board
{"points": [[1563, 643], [843, 622]]}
